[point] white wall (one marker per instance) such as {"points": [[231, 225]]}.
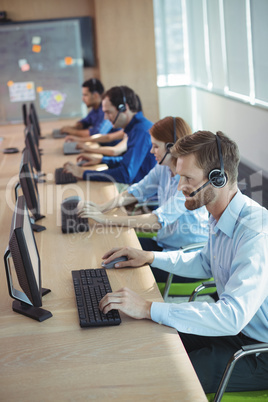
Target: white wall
{"points": [[245, 124]]}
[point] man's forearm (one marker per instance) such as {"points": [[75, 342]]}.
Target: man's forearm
{"points": [[147, 222]]}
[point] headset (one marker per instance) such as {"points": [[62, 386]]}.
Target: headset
{"points": [[169, 145], [217, 177], [122, 107], [94, 85]]}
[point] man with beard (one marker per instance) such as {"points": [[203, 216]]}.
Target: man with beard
{"points": [[236, 255]]}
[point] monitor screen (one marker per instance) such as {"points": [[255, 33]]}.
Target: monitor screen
{"points": [[33, 148], [29, 186], [34, 120], [22, 264], [24, 114]]}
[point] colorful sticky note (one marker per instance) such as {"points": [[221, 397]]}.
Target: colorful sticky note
{"points": [[36, 40], [36, 48], [25, 67], [68, 61], [58, 97], [22, 62]]}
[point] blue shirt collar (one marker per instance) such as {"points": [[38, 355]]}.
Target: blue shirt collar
{"points": [[138, 116], [230, 215]]}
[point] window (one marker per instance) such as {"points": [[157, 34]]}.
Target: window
{"points": [[218, 45]]}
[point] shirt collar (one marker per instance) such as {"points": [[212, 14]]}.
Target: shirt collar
{"points": [[230, 215], [133, 121]]}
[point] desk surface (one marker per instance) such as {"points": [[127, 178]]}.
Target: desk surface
{"points": [[56, 359]]}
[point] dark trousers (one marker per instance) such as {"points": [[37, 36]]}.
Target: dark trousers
{"points": [[160, 275], [210, 355]]}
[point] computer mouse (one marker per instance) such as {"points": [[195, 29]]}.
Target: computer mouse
{"points": [[113, 262], [81, 163], [71, 200], [11, 150]]}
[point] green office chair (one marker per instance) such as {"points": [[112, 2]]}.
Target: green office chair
{"points": [[245, 396]]}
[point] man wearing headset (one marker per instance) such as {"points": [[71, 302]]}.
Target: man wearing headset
{"points": [[236, 255], [94, 122], [122, 107]]}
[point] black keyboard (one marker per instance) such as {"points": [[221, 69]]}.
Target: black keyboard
{"points": [[62, 177], [70, 221], [90, 286]]}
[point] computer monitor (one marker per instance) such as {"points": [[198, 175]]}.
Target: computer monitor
{"points": [[32, 122], [36, 120], [24, 114], [33, 149], [28, 184], [23, 268]]}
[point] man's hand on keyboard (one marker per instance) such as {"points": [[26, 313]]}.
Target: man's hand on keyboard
{"points": [[128, 302], [77, 171], [135, 257], [70, 138], [90, 211], [91, 159]]}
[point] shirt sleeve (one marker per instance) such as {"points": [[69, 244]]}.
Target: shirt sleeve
{"points": [[123, 169], [171, 210], [194, 264], [242, 300], [147, 187]]}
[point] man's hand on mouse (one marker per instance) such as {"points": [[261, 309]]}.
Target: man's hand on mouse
{"points": [[128, 302], [135, 257]]}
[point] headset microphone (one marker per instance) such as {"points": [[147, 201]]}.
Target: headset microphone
{"points": [[170, 144], [216, 177]]}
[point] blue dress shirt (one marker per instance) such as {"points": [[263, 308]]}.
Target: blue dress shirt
{"points": [[179, 225], [136, 162], [96, 123], [236, 255]]}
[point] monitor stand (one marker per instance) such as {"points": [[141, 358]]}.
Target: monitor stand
{"points": [[35, 226], [39, 175], [36, 313]]}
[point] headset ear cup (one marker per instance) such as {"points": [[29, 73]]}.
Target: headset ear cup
{"points": [[121, 107], [217, 179], [168, 146]]}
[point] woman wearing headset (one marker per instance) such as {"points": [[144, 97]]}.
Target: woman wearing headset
{"points": [[175, 225]]}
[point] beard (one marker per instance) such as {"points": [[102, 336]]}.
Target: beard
{"points": [[201, 199]]}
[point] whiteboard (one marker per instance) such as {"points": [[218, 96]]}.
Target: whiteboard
{"points": [[41, 63]]}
